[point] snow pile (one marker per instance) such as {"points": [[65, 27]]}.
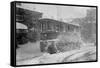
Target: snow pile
{"points": [[69, 41], [28, 50]]}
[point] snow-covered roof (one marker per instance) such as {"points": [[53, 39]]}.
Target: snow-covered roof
{"points": [[76, 24], [57, 21]]}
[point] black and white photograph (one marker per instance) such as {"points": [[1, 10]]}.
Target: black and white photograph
{"points": [[49, 33]]}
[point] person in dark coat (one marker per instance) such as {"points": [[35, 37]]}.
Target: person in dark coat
{"points": [[51, 48]]}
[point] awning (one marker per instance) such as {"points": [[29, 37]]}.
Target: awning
{"points": [[20, 26]]}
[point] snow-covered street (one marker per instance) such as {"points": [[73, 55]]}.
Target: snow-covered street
{"points": [[70, 56]]}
